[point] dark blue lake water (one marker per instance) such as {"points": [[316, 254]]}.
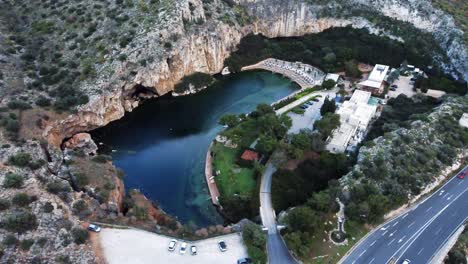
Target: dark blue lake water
{"points": [[162, 144]]}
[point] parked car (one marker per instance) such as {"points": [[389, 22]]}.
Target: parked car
{"points": [[222, 245], [244, 261], [462, 175], [193, 250], [394, 86], [94, 228], [406, 261], [183, 248], [303, 107], [315, 100], [172, 245], [392, 89]]}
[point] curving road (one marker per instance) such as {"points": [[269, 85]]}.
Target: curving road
{"points": [[420, 233], [278, 253]]}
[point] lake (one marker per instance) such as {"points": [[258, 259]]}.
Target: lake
{"points": [[161, 146]]}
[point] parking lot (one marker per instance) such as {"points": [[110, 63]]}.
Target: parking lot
{"points": [[405, 86], [122, 246], [311, 114]]}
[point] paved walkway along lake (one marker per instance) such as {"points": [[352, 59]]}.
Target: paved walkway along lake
{"points": [[162, 144]]}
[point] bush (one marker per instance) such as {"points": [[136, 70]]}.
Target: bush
{"points": [[26, 244], [18, 104], [100, 159], [20, 160], [43, 101], [56, 187], [20, 221], [10, 240], [80, 235], [13, 180], [4, 204], [48, 207], [255, 240], [22, 199], [81, 180]]}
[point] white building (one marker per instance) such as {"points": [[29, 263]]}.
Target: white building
{"points": [[355, 116], [375, 81]]}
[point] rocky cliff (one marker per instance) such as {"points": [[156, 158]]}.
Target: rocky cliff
{"points": [[201, 44]]}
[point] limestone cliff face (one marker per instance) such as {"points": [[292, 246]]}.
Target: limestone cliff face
{"points": [[199, 44]]}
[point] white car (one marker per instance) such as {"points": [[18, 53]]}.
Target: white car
{"points": [[183, 248], [94, 228], [193, 250], [172, 245]]}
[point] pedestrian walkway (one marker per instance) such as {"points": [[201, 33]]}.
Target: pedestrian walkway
{"points": [[213, 188], [303, 74]]}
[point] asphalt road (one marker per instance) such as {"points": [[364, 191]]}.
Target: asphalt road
{"points": [[419, 233], [278, 253]]}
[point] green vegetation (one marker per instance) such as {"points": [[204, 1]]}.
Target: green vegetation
{"points": [[290, 188], [198, 80], [402, 162], [339, 49], [400, 112], [238, 181], [22, 199], [26, 244], [255, 241], [13, 180], [233, 179], [21, 159], [328, 106], [458, 253], [80, 235], [20, 221], [327, 124]]}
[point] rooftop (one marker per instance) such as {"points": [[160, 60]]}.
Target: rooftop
{"points": [[376, 77], [249, 155]]}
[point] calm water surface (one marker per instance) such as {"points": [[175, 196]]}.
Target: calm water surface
{"points": [[162, 144]]}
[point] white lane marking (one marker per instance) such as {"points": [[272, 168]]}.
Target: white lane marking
{"points": [[401, 239], [354, 261], [383, 234], [428, 209], [390, 242], [438, 231], [372, 260], [396, 223], [450, 197], [362, 253], [411, 224], [441, 192], [373, 243], [415, 236], [445, 195], [459, 183], [383, 228], [419, 252], [391, 234], [404, 216]]}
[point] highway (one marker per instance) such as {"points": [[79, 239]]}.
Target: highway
{"points": [[420, 232], [278, 253]]}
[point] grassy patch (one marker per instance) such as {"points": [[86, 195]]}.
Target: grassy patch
{"points": [[327, 252], [232, 179]]}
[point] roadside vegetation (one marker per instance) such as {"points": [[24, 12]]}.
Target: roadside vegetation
{"points": [[458, 253]]}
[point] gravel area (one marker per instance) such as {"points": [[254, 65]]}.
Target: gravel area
{"points": [[122, 246]]}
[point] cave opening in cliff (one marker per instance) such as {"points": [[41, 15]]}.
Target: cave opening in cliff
{"points": [[140, 91]]}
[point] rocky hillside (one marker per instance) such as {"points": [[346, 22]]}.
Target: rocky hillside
{"points": [[396, 167], [69, 66]]}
